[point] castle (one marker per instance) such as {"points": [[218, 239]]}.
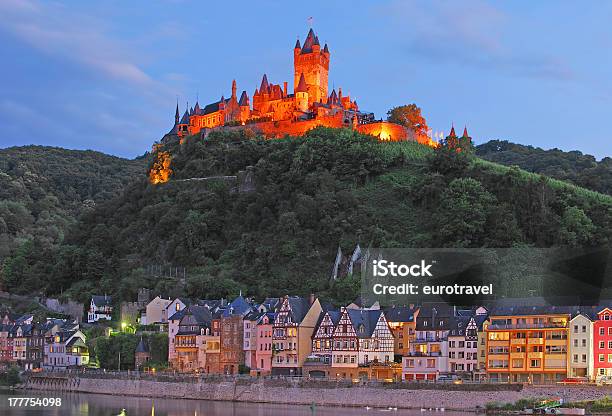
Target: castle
{"points": [[275, 112]]}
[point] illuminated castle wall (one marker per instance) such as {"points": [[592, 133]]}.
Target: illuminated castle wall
{"points": [[275, 112]]}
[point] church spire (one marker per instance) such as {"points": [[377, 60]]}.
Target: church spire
{"points": [[176, 113]]}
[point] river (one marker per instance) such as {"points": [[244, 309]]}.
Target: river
{"points": [[81, 404]]}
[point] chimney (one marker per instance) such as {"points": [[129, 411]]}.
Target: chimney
{"points": [[311, 298], [285, 89]]}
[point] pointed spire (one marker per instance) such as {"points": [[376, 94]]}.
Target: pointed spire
{"points": [[256, 92], [264, 84], [176, 113], [297, 44], [244, 99], [326, 49], [301, 87], [465, 132], [197, 110], [452, 132], [309, 42]]}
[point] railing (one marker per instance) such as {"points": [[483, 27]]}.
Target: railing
{"points": [[527, 326]]}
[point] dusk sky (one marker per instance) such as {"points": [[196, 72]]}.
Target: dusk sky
{"points": [[105, 75]]}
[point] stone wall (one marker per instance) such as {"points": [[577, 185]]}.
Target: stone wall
{"points": [[323, 394]]}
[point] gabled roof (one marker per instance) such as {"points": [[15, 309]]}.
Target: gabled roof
{"points": [[238, 306], [400, 314], [76, 342], [102, 300], [333, 99], [299, 308], [301, 87], [364, 321]]}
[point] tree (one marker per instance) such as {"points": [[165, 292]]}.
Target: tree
{"points": [[409, 116]]}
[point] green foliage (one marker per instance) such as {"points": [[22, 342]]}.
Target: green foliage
{"points": [[331, 187], [575, 167], [10, 377], [105, 350]]}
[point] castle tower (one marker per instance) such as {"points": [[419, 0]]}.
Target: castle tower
{"points": [[234, 89], [313, 63], [176, 115], [302, 95]]}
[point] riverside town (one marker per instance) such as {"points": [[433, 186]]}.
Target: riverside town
{"points": [[323, 209]]}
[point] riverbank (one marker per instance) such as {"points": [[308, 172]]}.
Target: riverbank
{"points": [[320, 393]]}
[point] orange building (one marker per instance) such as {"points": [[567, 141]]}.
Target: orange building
{"points": [[527, 344], [276, 112]]}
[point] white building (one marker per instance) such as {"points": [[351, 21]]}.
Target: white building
{"points": [[580, 361], [100, 308], [156, 311]]}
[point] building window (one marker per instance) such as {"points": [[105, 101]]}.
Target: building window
{"points": [[601, 358], [602, 331], [583, 328], [575, 329], [584, 358], [602, 345]]}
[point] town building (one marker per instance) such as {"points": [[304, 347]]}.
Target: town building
{"points": [[581, 345], [155, 311], [528, 344], [142, 355], [263, 350], [292, 334], [428, 356], [402, 321], [602, 343], [100, 308]]}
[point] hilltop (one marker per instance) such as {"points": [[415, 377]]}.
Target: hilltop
{"points": [[313, 193], [575, 167], [43, 190]]}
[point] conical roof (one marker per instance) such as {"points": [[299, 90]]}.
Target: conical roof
{"points": [[297, 44], [264, 84], [185, 118], [452, 132], [465, 132], [311, 40], [244, 99], [301, 87], [142, 346]]}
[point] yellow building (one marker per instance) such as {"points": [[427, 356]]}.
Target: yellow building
{"points": [[527, 344]]}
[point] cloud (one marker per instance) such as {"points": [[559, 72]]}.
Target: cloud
{"points": [[472, 34], [58, 31]]}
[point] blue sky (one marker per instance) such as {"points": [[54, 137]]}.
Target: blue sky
{"points": [[105, 75]]}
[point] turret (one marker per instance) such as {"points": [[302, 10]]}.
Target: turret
{"points": [[176, 115], [234, 89], [301, 95], [465, 133]]}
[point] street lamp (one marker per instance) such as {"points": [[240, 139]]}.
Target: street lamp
{"points": [[123, 326]]}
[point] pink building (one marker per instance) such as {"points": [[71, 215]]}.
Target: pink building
{"points": [[263, 353], [602, 343]]}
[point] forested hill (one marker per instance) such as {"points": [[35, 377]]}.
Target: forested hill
{"points": [[44, 189], [576, 167], [313, 193]]}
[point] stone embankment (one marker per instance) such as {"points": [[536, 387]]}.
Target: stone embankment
{"points": [[466, 397]]}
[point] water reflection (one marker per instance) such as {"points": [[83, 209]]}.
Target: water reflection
{"points": [[79, 404]]}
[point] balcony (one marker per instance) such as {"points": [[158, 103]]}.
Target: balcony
{"points": [[536, 341], [536, 355], [528, 326], [424, 354], [517, 341]]}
